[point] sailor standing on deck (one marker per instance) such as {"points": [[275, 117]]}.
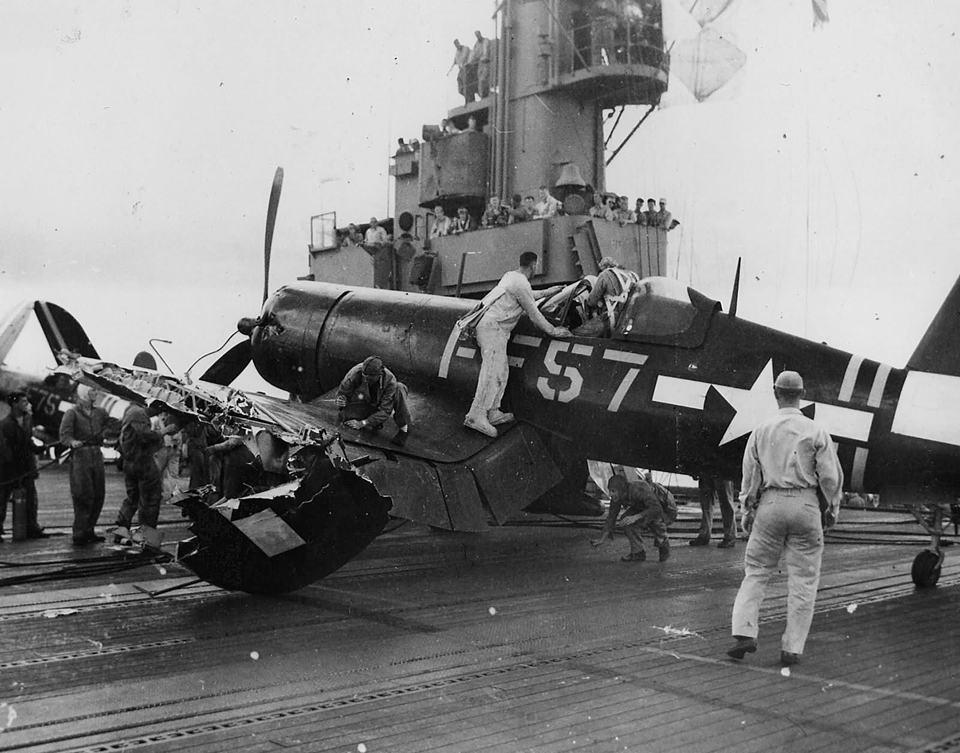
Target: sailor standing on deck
{"points": [[460, 60], [139, 444], [712, 487], [504, 305], [18, 464], [81, 430], [787, 459]]}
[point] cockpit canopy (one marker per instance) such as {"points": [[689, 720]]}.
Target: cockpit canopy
{"points": [[664, 311]]}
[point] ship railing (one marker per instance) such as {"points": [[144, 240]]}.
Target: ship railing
{"points": [[626, 43]]}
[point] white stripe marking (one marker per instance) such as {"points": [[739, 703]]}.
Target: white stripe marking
{"points": [[859, 466], [844, 422], [839, 421], [850, 379], [929, 408], [515, 361], [53, 325], [448, 352], [684, 393], [582, 350], [624, 356], [879, 383], [533, 342]]}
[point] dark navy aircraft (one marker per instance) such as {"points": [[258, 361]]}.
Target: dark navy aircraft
{"points": [[677, 387]]}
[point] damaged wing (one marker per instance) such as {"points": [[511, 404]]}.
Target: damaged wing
{"points": [[286, 538], [275, 540], [446, 476]]}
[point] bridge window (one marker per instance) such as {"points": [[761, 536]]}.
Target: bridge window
{"points": [[323, 231]]}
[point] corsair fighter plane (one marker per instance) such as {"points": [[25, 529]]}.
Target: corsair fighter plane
{"points": [[678, 386]]}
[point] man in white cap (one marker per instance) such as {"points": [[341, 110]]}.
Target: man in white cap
{"points": [[787, 460]]}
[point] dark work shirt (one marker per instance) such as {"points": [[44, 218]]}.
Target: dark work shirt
{"points": [[83, 427]]}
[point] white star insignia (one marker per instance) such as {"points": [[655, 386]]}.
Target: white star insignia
{"points": [[752, 406]]}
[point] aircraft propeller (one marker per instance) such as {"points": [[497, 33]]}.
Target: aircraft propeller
{"points": [[232, 363]]}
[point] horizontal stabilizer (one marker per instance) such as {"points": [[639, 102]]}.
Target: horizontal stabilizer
{"points": [[939, 349], [62, 331]]}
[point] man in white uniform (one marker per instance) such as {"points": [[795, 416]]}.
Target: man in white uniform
{"points": [[511, 298], [787, 459], [547, 206]]}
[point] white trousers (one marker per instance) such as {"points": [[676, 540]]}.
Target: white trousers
{"points": [[787, 523], [494, 370]]}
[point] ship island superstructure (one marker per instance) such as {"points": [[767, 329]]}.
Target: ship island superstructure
{"points": [[555, 68]]}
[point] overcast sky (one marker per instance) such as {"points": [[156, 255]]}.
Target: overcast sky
{"points": [[140, 141]]}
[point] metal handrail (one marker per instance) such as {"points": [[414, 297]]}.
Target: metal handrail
{"points": [[627, 43]]}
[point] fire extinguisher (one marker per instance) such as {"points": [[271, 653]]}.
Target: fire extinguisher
{"points": [[19, 499]]}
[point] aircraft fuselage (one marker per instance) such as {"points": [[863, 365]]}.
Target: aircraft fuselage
{"points": [[686, 407]]}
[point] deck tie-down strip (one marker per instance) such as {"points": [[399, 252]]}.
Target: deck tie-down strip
{"points": [[360, 698]]}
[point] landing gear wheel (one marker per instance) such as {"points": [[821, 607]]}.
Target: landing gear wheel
{"points": [[926, 569]]}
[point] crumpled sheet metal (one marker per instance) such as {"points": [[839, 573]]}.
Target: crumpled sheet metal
{"points": [[226, 407], [276, 543]]}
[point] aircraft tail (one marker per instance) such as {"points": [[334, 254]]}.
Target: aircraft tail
{"points": [[63, 331], [939, 349]]}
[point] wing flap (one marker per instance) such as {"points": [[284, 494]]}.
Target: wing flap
{"points": [[413, 487], [514, 471], [463, 498]]}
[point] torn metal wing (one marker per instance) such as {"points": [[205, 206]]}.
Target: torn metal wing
{"points": [[287, 538], [276, 540]]}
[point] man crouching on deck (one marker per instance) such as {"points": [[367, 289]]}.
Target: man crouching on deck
{"points": [[644, 512]]}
